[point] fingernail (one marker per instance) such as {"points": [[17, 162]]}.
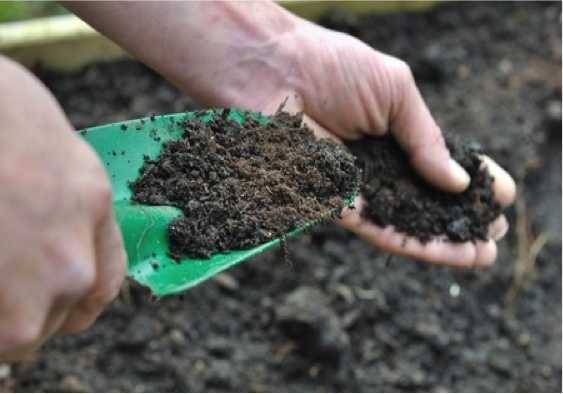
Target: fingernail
{"points": [[459, 174], [502, 232], [499, 228]]}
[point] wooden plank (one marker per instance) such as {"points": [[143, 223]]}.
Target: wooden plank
{"points": [[313, 9], [66, 43], [62, 43], [43, 30], [67, 55]]}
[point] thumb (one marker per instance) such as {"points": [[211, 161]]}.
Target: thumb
{"points": [[417, 132]]}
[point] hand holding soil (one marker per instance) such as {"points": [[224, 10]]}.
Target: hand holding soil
{"points": [[348, 91], [345, 88], [383, 98]]}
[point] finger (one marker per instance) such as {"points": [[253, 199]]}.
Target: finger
{"points": [[57, 316], [77, 280], [21, 322], [437, 251], [36, 327], [417, 133], [110, 269], [485, 253], [503, 185], [498, 228], [31, 314]]}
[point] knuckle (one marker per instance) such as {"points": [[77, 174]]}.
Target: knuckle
{"points": [[20, 85], [79, 326], [75, 273], [87, 311], [82, 276], [92, 189], [77, 279], [103, 193], [104, 295], [405, 79], [98, 298], [10, 74], [437, 138], [430, 150], [400, 85], [404, 71], [100, 195]]}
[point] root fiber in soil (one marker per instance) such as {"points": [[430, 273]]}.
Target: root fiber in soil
{"points": [[241, 185]]}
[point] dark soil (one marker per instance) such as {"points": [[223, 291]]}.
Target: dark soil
{"points": [[396, 195], [338, 318], [240, 186]]}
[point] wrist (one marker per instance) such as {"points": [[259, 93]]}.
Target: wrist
{"points": [[249, 48], [220, 53]]}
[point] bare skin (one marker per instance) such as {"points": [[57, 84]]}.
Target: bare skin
{"points": [[252, 55], [61, 255]]}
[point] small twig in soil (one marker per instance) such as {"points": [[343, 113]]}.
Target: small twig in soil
{"points": [[284, 350], [314, 370], [125, 293], [282, 105], [528, 249], [388, 260], [285, 251], [259, 388]]}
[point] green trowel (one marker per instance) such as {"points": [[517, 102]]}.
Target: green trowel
{"points": [[122, 147]]}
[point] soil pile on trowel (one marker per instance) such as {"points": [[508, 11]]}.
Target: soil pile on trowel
{"points": [[241, 185], [396, 195]]}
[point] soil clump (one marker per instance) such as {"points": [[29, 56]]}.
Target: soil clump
{"points": [[396, 195], [241, 185]]}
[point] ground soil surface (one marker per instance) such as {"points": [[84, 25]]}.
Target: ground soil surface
{"points": [[338, 318]]}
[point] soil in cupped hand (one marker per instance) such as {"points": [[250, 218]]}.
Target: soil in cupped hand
{"points": [[396, 195], [241, 185]]}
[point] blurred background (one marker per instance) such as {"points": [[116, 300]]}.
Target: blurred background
{"points": [[340, 319], [13, 11]]}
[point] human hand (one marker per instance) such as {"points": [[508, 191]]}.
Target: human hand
{"points": [[61, 257], [252, 55], [347, 89]]}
